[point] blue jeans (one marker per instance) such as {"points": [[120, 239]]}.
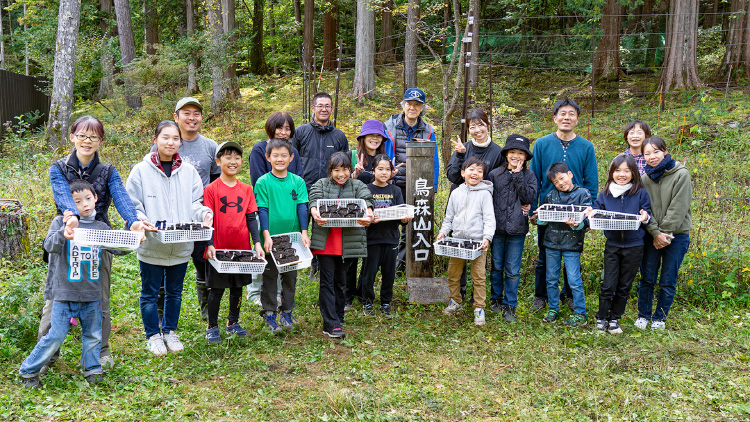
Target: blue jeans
{"points": [[669, 259], [90, 315], [540, 271], [554, 260], [507, 253], [151, 281]]}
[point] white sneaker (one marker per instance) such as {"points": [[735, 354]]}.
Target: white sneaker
{"points": [[641, 323], [173, 342], [479, 317], [452, 308], [658, 325], [107, 362], [156, 345]]}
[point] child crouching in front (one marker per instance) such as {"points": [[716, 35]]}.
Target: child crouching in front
{"points": [[564, 241], [470, 215]]}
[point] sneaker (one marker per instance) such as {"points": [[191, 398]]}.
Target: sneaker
{"points": [[287, 321], [551, 316], [94, 379], [641, 323], [156, 345], [479, 317], [602, 324], [538, 304], [236, 329], [385, 309], [495, 306], [271, 324], [173, 342], [658, 325], [213, 335], [367, 310], [335, 333], [347, 307], [45, 368], [614, 327], [452, 308], [32, 382], [576, 320], [257, 301], [509, 313], [107, 362], [569, 301]]}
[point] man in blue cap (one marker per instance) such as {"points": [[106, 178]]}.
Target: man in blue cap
{"points": [[402, 128]]}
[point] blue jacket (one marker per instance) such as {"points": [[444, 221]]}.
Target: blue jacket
{"points": [[561, 236], [580, 158], [630, 204], [260, 166]]}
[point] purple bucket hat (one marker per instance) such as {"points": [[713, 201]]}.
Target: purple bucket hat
{"points": [[370, 127]]}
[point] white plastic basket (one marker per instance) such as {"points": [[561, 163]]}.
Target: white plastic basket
{"points": [[236, 267], [182, 236], [456, 252], [123, 240], [616, 221], [341, 202], [303, 252], [561, 213], [394, 213]]}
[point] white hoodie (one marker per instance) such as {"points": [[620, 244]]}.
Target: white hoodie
{"points": [[470, 214], [176, 199]]}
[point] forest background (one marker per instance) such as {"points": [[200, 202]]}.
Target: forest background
{"points": [[680, 65]]}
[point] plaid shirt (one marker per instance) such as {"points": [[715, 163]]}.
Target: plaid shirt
{"points": [[639, 160]]}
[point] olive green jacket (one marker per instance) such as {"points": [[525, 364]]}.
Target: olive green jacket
{"points": [[670, 201]]}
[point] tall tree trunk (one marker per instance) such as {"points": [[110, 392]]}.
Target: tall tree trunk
{"points": [[737, 53], [257, 58], [606, 71], [364, 64], [216, 28], [652, 28], [330, 33], [709, 20], [192, 82], [308, 45], [150, 26], [385, 52], [230, 72], [272, 33], [65, 68], [680, 69], [2, 42], [475, 8], [410, 47], [106, 83], [127, 52]]}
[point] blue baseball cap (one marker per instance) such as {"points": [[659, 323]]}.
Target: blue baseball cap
{"points": [[414, 94]]}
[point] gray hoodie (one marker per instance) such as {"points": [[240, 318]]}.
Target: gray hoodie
{"points": [[176, 199], [470, 214]]}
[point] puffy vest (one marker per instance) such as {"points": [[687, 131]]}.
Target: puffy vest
{"points": [[396, 129]]}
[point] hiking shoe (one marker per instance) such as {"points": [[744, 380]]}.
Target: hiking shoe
{"points": [[156, 345], [614, 327], [641, 323], [479, 317], [287, 321], [452, 308], [509, 313], [107, 362], [32, 382], [576, 320], [602, 324], [551, 316], [173, 342], [271, 324], [385, 309], [335, 333], [94, 379], [367, 310], [213, 335], [538, 304], [658, 325], [236, 329], [569, 301], [495, 306]]}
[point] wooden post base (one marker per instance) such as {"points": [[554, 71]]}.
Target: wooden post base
{"points": [[427, 291]]}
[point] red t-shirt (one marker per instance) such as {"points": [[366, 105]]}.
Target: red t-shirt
{"points": [[230, 205]]}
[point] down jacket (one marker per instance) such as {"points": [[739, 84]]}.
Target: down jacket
{"points": [[355, 238], [397, 131], [316, 144], [561, 236], [469, 214], [510, 191]]}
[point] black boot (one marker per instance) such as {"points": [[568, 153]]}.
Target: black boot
{"points": [[509, 313]]}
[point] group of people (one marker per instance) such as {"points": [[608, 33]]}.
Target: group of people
{"points": [[187, 177]]}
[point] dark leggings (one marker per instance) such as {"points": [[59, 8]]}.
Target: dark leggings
{"points": [[214, 302]]}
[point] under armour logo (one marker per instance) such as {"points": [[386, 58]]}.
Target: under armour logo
{"points": [[294, 195], [236, 204]]}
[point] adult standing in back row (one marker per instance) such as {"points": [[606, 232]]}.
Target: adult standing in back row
{"points": [[578, 153]]}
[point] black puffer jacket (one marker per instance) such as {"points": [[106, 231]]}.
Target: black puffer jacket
{"points": [[491, 155], [69, 167], [396, 129], [561, 236], [316, 144], [510, 191]]}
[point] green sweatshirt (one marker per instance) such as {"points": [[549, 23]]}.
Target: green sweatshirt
{"points": [[670, 201]]}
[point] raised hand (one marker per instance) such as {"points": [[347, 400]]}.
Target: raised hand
{"points": [[396, 167], [458, 145]]}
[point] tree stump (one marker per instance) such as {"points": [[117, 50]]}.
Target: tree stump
{"points": [[14, 229]]}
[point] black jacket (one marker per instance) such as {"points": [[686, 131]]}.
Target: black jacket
{"points": [[316, 144], [510, 191], [70, 169], [629, 204], [491, 155], [561, 236]]}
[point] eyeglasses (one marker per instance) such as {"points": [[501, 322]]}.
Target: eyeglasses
{"points": [[324, 107], [93, 138]]}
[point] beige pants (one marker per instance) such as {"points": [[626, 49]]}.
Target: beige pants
{"points": [[478, 276]]}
